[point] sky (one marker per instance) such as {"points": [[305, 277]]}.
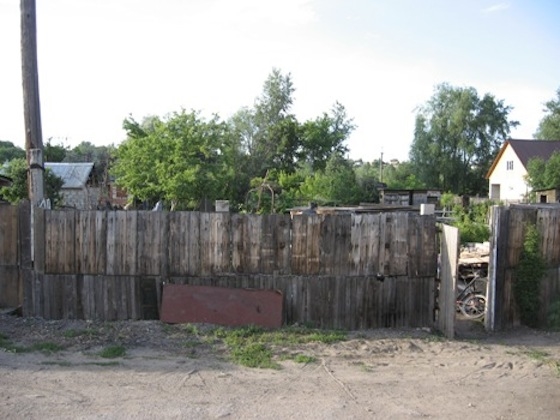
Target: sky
{"points": [[101, 61]]}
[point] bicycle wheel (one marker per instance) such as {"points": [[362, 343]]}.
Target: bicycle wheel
{"points": [[473, 306]]}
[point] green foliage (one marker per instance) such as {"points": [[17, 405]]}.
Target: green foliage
{"points": [[101, 156], [549, 126], [336, 185], [184, 158], [8, 151], [54, 152], [325, 136], [456, 138], [472, 222], [305, 359], [528, 275], [253, 346], [181, 159], [544, 175], [402, 176], [253, 355], [113, 352], [17, 171]]}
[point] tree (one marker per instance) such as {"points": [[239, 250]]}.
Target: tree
{"points": [[182, 159], [276, 139], [100, 156], [54, 152], [326, 135], [457, 135], [335, 185], [401, 176], [9, 151], [17, 171], [543, 174], [549, 127]]}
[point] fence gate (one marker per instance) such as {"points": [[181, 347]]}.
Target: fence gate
{"points": [[448, 280]]}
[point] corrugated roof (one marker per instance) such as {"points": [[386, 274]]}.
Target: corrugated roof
{"points": [[74, 175], [526, 150]]}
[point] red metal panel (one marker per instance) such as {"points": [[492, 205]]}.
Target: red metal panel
{"points": [[221, 305]]}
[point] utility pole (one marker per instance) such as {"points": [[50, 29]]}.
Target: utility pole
{"points": [[31, 103], [32, 112]]}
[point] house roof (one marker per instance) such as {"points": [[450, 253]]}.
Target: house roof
{"points": [[74, 175], [527, 150], [5, 181]]}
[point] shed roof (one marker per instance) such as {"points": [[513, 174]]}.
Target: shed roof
{"points": [[527, 150], [5, 181], [74, 175]]}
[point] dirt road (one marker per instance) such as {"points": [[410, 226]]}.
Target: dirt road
{"points": [[374, 374]]}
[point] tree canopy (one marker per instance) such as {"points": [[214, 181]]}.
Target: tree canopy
{"points": [[16, 169], [9, 151], [543, 174], [184, 158], [549, 127], [457, 135]]}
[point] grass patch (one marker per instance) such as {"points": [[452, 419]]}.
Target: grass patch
{"points": [[46, 347], [537, 355], [544, 358], [113, 352], [255, 355], [305, 359], [73, 333], [252, 346]]}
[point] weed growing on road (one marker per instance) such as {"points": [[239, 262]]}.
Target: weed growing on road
{"points": [[252, 346], [113, 352]]}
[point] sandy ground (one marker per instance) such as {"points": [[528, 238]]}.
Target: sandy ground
{"points": [[396, 374]]}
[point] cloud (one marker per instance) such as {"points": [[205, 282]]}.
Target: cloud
{"points": [[496, 8]]}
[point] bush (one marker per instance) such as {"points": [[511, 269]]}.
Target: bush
{"points": [[472, 222], [528, 276]]}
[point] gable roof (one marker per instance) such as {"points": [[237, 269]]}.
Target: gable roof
{"points": [[527, 150], [74, 175], [5, 181]]}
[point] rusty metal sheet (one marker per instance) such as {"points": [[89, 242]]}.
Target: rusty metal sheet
{"points": [[221, 305]]}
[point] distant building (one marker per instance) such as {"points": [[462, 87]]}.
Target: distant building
{"points": [[506, 176], [78, 191], [551, 195], [405, 197]]}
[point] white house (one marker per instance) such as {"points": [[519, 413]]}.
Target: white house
{"points": [[506, 176]]}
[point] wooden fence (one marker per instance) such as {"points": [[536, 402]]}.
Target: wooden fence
{"points": [[509, 228], [337, 271]]}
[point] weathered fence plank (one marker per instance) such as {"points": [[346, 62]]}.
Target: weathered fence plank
{"points": [[274, 248], [342, 245], [184, 246], [8, 235], [151, 248], [60, 234], [122, 241]]}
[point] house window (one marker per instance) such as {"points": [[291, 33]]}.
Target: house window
{"points": [[509, 165]]}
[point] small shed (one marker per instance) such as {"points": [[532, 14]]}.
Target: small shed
{"points": [[550, 195], [406, 197], [78, 190]]}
